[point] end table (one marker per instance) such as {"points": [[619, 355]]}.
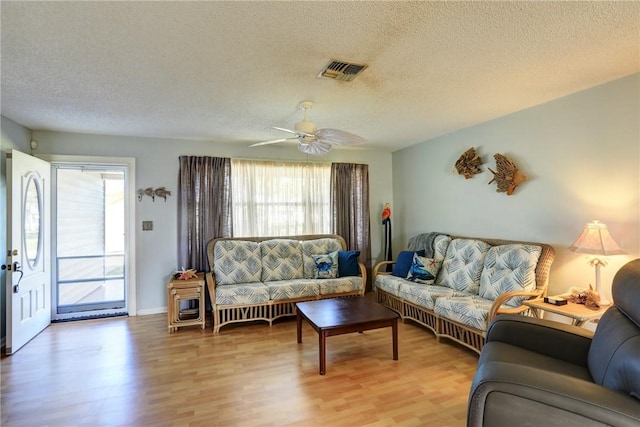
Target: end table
{"points": [[185, 290], [578, 313]]}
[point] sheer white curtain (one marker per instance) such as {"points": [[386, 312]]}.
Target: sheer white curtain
{"points": [[280, 198]]}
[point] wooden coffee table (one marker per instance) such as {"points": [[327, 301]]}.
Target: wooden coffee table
{"points": [[337, 316]]}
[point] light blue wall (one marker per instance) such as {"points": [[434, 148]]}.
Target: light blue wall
{"points": [[157, 166], [582, 156], [12, 136]]}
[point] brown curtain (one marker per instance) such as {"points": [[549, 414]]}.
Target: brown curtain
{"points": [[350, 207], [204, 208]]}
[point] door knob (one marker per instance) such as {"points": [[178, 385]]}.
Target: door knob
{"points": [[16, 268]]}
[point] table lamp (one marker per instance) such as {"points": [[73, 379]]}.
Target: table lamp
{"points": [[596, 240]]}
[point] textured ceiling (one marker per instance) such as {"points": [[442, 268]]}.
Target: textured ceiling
{"points": [[228, 71]]}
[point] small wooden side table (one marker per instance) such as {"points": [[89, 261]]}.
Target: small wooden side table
{"points": [[185, 290], [578, 313]]}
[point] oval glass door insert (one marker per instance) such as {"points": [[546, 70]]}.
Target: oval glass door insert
{"points": [[32, 231]]}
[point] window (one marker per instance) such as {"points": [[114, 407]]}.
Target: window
{"points": [[280, 199]]}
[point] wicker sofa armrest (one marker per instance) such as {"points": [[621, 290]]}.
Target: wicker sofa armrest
{"points": [[553, 339], [211, 286], [496, 307], [363, 273], [379, 265]]}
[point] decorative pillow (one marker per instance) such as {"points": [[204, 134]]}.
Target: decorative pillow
{"points": [[423, 270], [326, 265], [403, 263], [348, 263], [317, 247]]}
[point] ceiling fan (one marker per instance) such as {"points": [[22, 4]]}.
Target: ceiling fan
{"points": [[312, 140]]}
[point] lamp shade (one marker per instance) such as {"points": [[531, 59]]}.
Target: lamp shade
{"points": [[596, 240]]}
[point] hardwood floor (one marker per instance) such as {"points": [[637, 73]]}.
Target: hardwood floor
{"points": [[132, 372]]}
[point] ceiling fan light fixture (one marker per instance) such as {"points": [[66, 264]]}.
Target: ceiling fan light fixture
{"points": [[312, 140], [306, 127]]}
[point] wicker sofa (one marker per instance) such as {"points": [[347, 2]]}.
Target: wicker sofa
{"points": [[261, 278], [477, 279]]}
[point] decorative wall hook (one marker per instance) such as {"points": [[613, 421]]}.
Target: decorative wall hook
{"points": [[161, 192]]}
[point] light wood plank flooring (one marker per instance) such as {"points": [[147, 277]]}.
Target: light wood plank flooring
{"points": [[132, 372]]}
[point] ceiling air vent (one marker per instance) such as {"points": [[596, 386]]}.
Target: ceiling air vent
{"points": [[341, 70]]}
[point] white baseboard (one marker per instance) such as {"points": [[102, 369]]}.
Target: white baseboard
{"points": [[148, 311]]}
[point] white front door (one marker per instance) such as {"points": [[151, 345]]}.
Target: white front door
{"points": [[28, 243]]}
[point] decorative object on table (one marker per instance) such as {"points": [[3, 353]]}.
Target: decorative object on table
{"points": [[161, 192], [507, 177], [588, 297], [185, 274], [386, 221], [467, 164], [555, 300], [596, 240]]}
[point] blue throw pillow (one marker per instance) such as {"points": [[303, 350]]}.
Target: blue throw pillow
{"points": [[403, 263], [348, 263]]}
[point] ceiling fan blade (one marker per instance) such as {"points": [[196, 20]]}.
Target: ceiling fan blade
{"points": [[316, 148], [273, 141], [339, 137], [287, 130], [299, 133]]}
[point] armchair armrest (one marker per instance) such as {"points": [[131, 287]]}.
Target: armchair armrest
{"points": [[553, 339], [508, 394]]}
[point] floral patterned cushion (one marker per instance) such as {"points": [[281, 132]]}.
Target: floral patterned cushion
{"points": [[463, 265], [389, 283], [316, 247], [509, 268], [340, 285], [242, 294], [471, 311], [292, 289], [440, 246], [236, 261], [281, 259], [425, 296]]}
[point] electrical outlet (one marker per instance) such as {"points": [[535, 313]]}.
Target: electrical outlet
{"points": [[147, 225]]}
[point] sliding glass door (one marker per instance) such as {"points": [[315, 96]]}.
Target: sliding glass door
{"points": [[90, 256]]}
